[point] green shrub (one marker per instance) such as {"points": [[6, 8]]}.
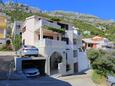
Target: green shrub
{"points": [[17, 42], [60, 30], [102, 62]]}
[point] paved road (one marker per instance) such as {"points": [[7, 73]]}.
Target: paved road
{"points": [[43, 81], [79, 80]]}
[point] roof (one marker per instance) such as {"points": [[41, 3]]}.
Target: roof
{"points": [[97, 38], [89, 40]]}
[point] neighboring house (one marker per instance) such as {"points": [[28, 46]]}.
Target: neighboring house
{"points": [[97, 42], [16, 28], [3, 27], [59, 43]]}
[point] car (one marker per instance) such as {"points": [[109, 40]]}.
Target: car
{"points": [[28, 50], [111, 80], [31, 72]]}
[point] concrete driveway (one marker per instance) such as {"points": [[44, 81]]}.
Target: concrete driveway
{"points": [[83, 79]]}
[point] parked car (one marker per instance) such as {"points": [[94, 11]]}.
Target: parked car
{"points": [[27, 50], [31, 72], [111, 80]]}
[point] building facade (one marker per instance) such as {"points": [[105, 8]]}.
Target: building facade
{"points": [[97, 42], [16, 28], [59, 43], [3, 27]]}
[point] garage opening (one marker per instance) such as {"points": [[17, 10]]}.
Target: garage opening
{"points": [[39, 64]]}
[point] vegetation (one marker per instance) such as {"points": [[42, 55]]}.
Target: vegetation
{"points": [[85, 26], [54, 29], [6, 47], [97, 78], [16, 42], [17, 14], [20, 14], [102, 62], [55, 19]]}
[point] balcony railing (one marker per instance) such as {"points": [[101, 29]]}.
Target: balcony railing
{"points": [[50, 43], [50, 24]]}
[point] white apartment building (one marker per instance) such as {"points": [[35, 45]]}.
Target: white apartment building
{"points": [[59, 43], [16, 28]]}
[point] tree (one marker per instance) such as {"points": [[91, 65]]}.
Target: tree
{"points": [[102, 62], [17, 42]]}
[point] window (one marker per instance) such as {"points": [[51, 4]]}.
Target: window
{"points": [[75, 54], [74, 41], [68, 67], [57, 38], [90, 45], [66, 40], [80, 50], [48, 37], [65, 26], [18, 26]]}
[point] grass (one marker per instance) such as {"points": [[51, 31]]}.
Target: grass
{"points": [[5, 48], [98, 79]]}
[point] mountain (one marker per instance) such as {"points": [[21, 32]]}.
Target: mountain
{"points": [[88, 25], [80, 16]]}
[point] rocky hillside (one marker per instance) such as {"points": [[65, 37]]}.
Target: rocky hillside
{"points": [[83, 17], [88, 25]]}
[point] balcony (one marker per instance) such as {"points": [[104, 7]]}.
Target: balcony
{"points": [[50, 24], [50, 43]]}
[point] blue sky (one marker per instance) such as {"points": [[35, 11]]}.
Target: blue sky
{"points": [[101, 8]]}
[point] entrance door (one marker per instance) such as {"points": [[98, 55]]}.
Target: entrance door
{"points": [[55, 59], [75, 67]]}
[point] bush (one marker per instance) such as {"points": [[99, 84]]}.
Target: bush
{"points": [[102, 62], [17, 42]]}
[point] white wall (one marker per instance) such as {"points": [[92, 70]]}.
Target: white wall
{"points": [[47, 47], [83, 62], [28, 35]]}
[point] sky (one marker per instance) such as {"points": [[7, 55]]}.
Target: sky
{"points": [[102, 8]]}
